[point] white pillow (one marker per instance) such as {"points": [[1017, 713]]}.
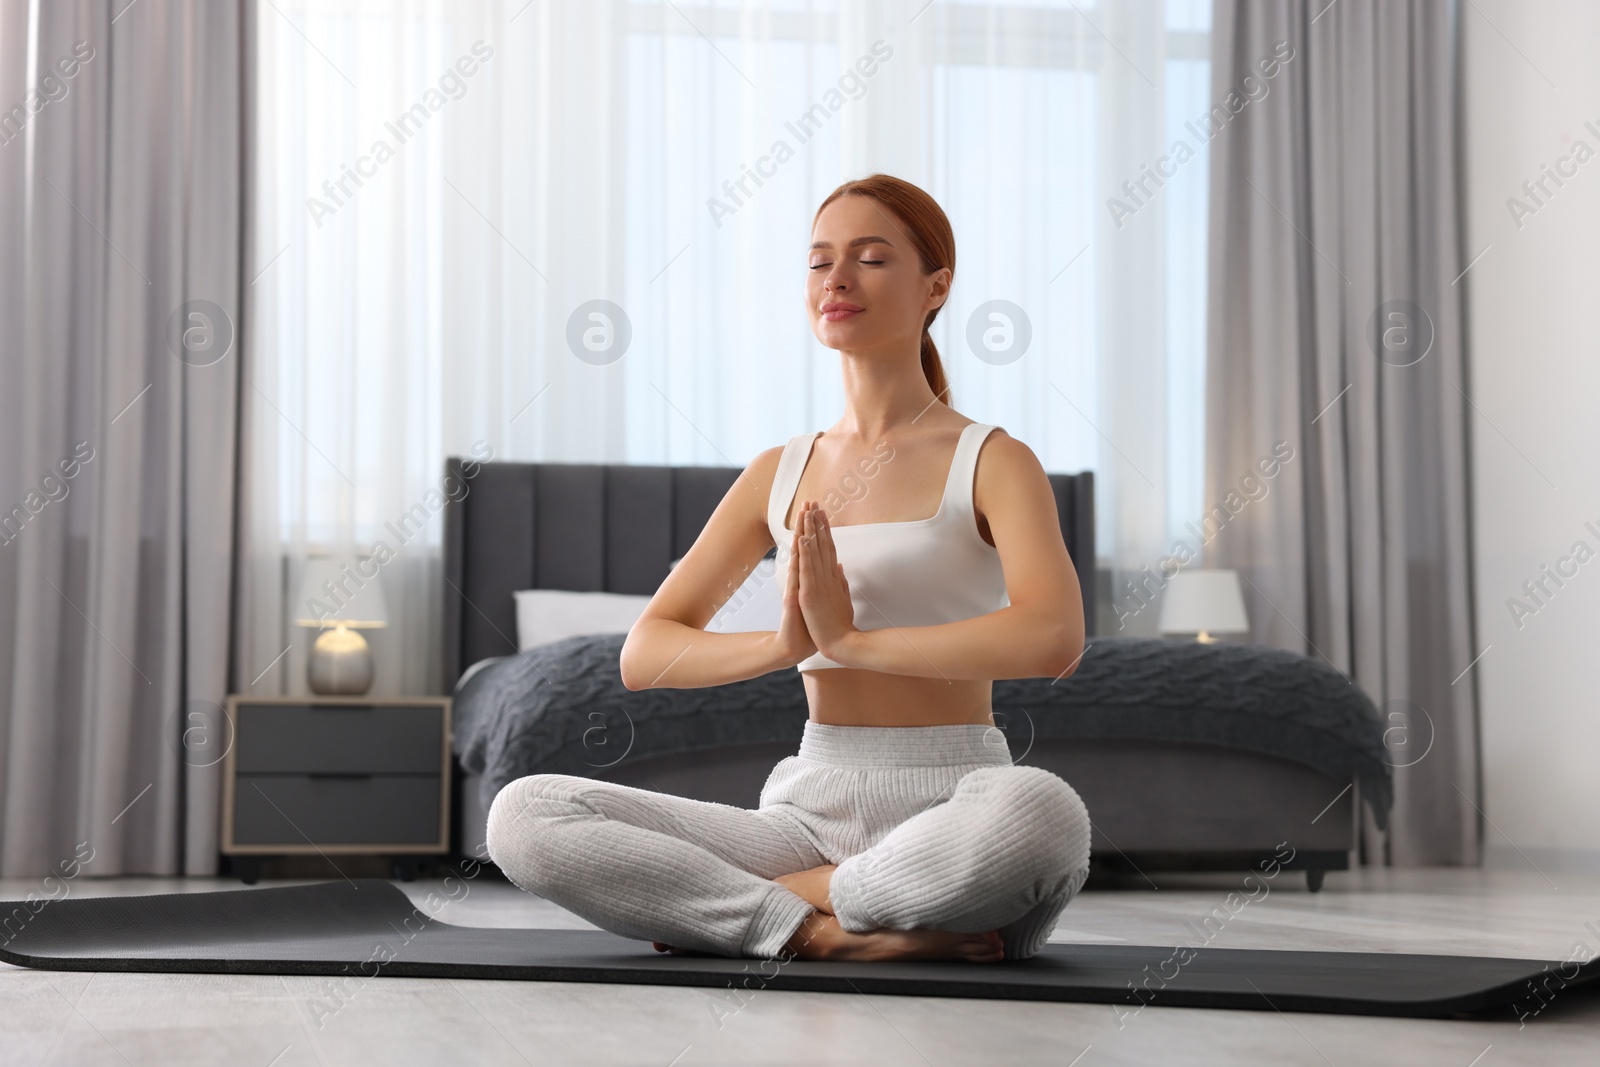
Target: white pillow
{"points": [[546, 615], [755, 605]]}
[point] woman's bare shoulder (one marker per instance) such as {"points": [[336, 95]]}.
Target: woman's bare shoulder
{"points": [[1009, 450], [1006, 469], [757, 482], [764, 467]]}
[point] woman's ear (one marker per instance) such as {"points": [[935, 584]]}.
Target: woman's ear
{"points": [[939, 289]]}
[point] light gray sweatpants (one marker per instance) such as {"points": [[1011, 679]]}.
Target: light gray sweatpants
{"points": [[931, 827]]}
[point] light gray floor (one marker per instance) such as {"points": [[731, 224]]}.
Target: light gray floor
{"points": [[262, 1021]]}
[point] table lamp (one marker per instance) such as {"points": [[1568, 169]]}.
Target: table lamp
{"points": [[336, 596], [1203, 602]]}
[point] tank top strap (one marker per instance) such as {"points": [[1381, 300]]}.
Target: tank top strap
{"points": [[786, 480], [964, 468]]}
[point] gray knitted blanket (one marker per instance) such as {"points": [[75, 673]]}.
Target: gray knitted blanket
{"points": [[562, 708]]}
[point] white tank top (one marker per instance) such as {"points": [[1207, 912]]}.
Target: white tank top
{"points": [[917, 573]]}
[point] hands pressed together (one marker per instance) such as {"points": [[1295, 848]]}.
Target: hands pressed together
{"points": [[818, 615]]}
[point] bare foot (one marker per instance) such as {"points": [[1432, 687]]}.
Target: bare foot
{"points": [[811, 885], [820, 937]]}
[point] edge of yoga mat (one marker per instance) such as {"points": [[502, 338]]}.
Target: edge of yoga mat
{"points": [[327, 928]]}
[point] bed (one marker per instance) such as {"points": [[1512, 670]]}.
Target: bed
{"points": [[1188, 756]]}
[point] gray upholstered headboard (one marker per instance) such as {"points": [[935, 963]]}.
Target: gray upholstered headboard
{"points": [[603, 527]]}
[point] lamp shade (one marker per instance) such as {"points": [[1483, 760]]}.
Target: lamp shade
{"points": [[1203, 601], [341, 591]]}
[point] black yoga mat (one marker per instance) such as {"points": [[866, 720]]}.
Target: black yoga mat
{"points": [[369, 928]]}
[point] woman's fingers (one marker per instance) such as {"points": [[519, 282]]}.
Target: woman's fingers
{"points": [[822, 572], [808, 543], [793, 581], [825, 554], [800, 562], [798, 559]]}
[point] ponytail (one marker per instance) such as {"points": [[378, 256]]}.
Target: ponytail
{"points": [[933, 367]]}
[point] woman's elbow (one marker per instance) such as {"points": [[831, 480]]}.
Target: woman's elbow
{"points": [[1066, 650], [627, 660], [632, 679], [640, 648], [623, 673]]}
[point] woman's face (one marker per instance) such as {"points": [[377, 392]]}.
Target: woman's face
{"points": [[865, 285]]}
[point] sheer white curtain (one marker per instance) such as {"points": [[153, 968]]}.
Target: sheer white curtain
{"points": [[445, 190]]}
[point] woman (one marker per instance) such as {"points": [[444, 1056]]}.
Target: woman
{"points": [[901, 829]]}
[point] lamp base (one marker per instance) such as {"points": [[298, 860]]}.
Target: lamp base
{"points": [[340, 663]]}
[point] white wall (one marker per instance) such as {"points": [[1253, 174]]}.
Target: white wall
{"points": [[1534, 372]]}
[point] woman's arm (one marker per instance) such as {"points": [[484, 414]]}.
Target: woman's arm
{"points": [[668, 647], [674, 655], [1039, 634]]}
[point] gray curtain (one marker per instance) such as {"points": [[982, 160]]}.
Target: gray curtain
{"points": [[1335, 326], [120, 235]]}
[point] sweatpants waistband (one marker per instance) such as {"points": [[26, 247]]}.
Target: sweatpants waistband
{"points": [[904, 746]]}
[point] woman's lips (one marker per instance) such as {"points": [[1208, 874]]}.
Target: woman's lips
{"points": [[841, 313]]}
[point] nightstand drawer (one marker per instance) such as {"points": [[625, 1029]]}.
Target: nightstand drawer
{"points": [[336, 810], [339, 738]]}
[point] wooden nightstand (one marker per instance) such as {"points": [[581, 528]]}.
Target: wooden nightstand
{"points": [[329, 775]]}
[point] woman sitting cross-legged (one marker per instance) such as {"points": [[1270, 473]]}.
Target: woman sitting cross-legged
{"points": [[901, 829]]}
